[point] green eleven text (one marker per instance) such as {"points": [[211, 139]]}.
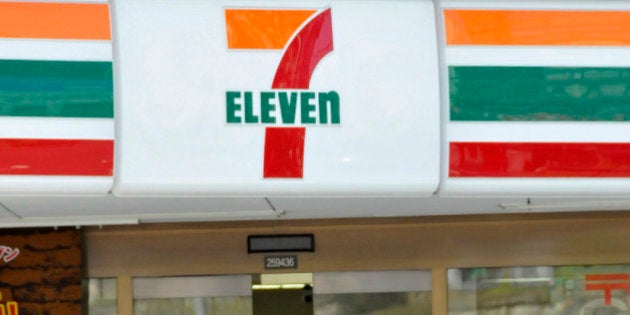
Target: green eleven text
{"points": [[282, 107]]}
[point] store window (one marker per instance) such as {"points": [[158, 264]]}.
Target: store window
{"points": [[193, 295], [372, 293], [545, 290], [101, 296], [328, 293]]}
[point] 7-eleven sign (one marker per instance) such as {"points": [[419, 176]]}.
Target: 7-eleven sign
{"points": [[306, 37]]}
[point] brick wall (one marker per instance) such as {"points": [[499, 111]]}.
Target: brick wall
{"points": [[45, 278]]}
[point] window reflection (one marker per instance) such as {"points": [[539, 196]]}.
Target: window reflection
{"points": [[580, 290], [203, 295], [102, 296], [373, 293], [390, 303], [194, 306]]}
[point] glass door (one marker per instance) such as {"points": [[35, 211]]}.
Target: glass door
{"points": [[326, 293], [372, 293]]}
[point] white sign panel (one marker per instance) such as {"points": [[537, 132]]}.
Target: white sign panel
{"points": [[276, 98], [537, 98]]}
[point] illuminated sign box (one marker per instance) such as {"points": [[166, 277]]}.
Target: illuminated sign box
{"points": [[277, 98], [536, 110], [57, 97]]}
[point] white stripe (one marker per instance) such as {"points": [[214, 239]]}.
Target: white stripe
{"points": [[48, 49], [537, 56], [58, 221], [539, 131], [598, 5], [56, 128], [14, 185], [533, 187]]}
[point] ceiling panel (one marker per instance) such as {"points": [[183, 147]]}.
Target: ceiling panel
{"points": [[135, 207], [375, 206], [5, 213], [70, 211]]}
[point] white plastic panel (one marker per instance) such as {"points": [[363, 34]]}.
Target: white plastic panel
{"points": [[57, 119], [157, 209], [592, 130], [4, 213], [174, 69]]}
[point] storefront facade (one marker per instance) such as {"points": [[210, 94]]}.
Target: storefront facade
{"points": [[477, 148], [434, 247]]}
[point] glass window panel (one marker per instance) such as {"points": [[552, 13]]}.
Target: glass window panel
{"points": [[208, 295], [237, 305], [388, 303], [372, 293], [544, 290], [101, 296]]}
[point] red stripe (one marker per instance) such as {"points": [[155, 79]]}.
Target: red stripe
{"points": [[284, 152], [484, 159], [56, 157], [608, 277], [607, 286], [305, 51]]}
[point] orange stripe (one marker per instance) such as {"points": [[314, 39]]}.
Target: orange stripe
{"points": [[54, 20], [571, 28], [262, 29]]}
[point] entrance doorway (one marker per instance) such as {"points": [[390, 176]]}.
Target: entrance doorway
{"points": [[400, 292], [274, 294]]}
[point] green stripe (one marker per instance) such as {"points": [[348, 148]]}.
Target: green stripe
{"points": [[56, 89], [539, 93]]}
